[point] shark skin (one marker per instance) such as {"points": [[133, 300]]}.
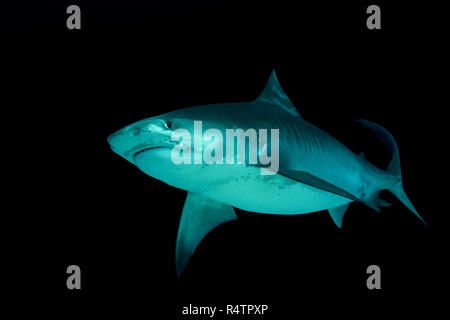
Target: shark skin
{"points": [[316, 172]]}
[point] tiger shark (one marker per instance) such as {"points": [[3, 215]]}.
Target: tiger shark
{"points": [[315, 171]]}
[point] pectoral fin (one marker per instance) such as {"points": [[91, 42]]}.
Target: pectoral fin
{"points": [[313, 181], [337, 214], [200, 215]]}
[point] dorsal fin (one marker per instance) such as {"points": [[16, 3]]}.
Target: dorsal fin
{"points": [[274, 94]]}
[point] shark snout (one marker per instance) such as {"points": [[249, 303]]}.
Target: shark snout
{"points": [[121, 142], [112, 140], [129, 141]]}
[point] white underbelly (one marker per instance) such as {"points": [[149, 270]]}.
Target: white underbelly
{"points": [[245, 188], [240, 186]]}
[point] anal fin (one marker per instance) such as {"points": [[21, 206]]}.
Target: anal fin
{"points": [[200, 215], [337, 214]]}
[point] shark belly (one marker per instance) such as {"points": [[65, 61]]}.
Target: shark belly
{"points": [[245, 188], [240, 186]]}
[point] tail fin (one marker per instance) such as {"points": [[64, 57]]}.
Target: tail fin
{"points": [[394, 168], [398, 191]]}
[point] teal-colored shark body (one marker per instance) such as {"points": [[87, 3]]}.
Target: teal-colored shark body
{"points": [[316, 172]]}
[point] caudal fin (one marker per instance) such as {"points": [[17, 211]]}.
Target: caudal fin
{"points": [[393, 172], [398, 191]]}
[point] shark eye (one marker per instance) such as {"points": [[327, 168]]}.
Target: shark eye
{"points": [[168, 124]]}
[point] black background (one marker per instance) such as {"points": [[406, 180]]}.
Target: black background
{"points": [[79, 203]]}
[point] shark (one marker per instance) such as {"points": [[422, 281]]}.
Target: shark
{"points": [[315, 171]]}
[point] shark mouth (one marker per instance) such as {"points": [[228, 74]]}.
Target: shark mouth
{"points": [[142, 151], [147, 149]]}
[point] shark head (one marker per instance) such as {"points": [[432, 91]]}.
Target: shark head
{"points": [[142, 136], [149, 144]]}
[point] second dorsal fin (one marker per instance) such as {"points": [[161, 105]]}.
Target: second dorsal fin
{"points": [[274, 94]]}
